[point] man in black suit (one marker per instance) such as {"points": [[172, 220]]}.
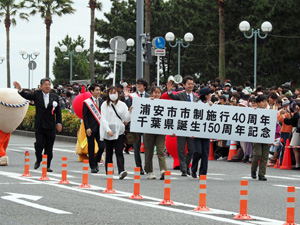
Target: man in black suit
{"points": [[141, 86], [92, 128], [47, 118], [186, 95]]}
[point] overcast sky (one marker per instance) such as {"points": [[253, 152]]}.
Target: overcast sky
{"points": [[32, 35]]}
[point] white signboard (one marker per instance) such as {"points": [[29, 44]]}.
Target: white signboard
{"points": [[202, 120]]}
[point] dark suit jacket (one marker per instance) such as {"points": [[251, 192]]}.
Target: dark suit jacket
{"points": [[182, 96], [129, 100], [89, 119], [44, 117]]}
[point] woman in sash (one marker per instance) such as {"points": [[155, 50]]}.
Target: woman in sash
{"points": [[113, 115]]}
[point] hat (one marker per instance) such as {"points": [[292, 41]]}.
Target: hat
{"points": [[243, 103], [204, 91], [131, 138], [228, 84], [288, 94], [285, 103]]}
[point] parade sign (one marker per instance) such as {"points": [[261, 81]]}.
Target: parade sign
{"points": [[203, 121]]}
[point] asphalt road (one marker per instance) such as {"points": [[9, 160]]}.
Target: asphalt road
{"points": [[30, 201]]}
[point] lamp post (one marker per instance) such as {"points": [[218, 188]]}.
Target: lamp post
{"points": [[188, 37], [130, 43], [2, 58], [266, 27], [30, 57], [70, 54]]}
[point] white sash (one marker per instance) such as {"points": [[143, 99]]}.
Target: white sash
{"points": [[134, 95], [93, 108]]}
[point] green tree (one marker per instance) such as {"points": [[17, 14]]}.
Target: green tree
{"points": [[93, 4], [61, 65], [9, 9], [47, 9]]}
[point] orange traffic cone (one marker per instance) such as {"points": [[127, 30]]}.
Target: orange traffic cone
{"points": [[232, 150], [287, 161], [64, 171], [44, 168], [136, 185], [211, 151], [167, 190], [142, 148], [277, 165], [110, 173], [202, 195], [85, 175], [26, 166], [243, 202]]}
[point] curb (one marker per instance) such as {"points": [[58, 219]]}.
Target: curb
{"points": [[57, 138]]}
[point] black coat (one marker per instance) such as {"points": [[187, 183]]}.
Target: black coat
{"points": [[44, 119], [88, 118]]}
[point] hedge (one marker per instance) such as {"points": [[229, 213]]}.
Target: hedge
{"points": [[70, 122]]}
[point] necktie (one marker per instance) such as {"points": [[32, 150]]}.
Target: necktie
{"points": [[141, 95], [189, 98], [46, 100]]}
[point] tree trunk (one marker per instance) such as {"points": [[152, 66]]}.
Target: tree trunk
{"points": [[221, 4], [48, 22], [7, 26], [147, 30], [92, 38]]}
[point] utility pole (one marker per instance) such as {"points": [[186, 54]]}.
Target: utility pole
{"points": [[147, 30], [139, 36]]}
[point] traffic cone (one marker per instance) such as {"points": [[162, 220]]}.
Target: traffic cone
{"points": [[110, 172], [202, 195], [287, 161], [211, 151], [136, 185], [243, 202], [232, 150], [44, 168], [290, 207], [85, 175], [142, 148], [277, 165], [64, 171], [26, 166], [167, 190]]}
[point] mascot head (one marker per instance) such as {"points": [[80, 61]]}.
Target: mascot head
{"points": [[78, 102]]}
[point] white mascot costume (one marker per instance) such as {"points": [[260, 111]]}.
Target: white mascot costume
{"points": [[13, 109]]}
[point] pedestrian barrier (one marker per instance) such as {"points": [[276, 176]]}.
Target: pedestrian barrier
{"points": [[110, 172], [44, 169], [211, 151], [64, 171], [232, 150], [136, 184], [85, 175], [167, 190], [26, 165], [243, 202], [287, 160], [202, 194], [290, 206]]}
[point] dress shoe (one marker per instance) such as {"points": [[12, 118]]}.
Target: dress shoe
{"points": [[37, 165], [262, 178], [188, 172], [194, 175], [122, 175], [94, 170], [49, 170], [253, 174], [183, 173]]}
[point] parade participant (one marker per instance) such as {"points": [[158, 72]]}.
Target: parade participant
{"points": [[157, 140], [113, 115], [260, 150], [47, 118], [187, 95], [141, 86], [201, 145], [91, 120]]}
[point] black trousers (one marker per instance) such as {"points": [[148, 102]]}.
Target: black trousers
{"points": [[44, 140], [201, 151], [118, 145], [91, 149]]}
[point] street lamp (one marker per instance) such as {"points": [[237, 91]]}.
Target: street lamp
{"points": [[2, 58], [188, 37], [70, 54], [30, 57], [130, 43], [266, 27]]}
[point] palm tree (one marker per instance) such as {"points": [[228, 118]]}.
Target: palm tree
{"points": [[47, 9], [221, 4], [8, 9], [93, 4]]}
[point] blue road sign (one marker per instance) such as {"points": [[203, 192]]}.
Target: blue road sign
{"points": [[160, 42]]}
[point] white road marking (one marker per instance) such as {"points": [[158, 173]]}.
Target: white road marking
{"points": [[276, 177], [14, 150], [15, 197], [285, 186], [211, 216], [52, 174]]}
